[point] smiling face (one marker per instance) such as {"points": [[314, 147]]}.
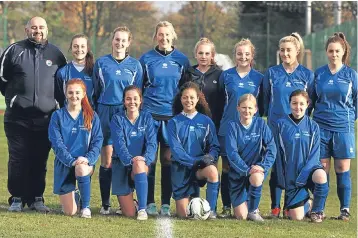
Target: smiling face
{"points": [[79, 49], [335, 53], [298, 106], [164, 38], [132, 101], [243, 55], [247, 110], [288, 53], [74, 94], [189, 99], [120, 42], [204, 55], [37, 30]]}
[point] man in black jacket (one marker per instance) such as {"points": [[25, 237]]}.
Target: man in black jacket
{"points": [[27, 70]]}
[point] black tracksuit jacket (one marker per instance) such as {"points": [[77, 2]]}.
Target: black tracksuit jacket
{"points": [[27, 71]]}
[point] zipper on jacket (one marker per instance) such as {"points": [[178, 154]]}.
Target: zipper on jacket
{"points": [[12, 101]]}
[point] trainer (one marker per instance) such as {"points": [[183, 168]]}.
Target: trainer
{"points": [[27, 70]]}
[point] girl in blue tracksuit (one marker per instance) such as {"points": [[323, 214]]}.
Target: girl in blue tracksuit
{"points": [[111, 74], [76, 138], [234, 83], [298, 160], [164, 67], [335, 110], [135, 145], [251, 152], [279, 82], [81, 67], [195, 148]]}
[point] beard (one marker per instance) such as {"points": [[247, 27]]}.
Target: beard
{"points": [[37, 37]]}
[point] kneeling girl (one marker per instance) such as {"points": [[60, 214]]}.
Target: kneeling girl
{"points": [[298, 161], [134, 141], [195, 148], [251, 152], [76, 137]]}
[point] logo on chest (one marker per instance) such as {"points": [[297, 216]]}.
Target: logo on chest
{"points": [[191, 128], [118, 72], [74, 130], [241, 85], [330, 82], [164, 66], [251, 84], [288, 85], [297, 136], [133, 133]]}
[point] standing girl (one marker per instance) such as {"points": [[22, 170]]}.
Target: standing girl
{"points": [[251, 151], [335, 110], [164, 68], [235, 82], [195, 148], [298, 165], [135, 145], [279, 82], [80, 67], [112, 73], [76, 138]]}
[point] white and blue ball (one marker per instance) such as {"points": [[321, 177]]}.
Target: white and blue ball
{"points": [[198, 208]]}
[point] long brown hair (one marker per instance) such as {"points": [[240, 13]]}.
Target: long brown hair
{"points": [[202, 106], [88, 113], [339, 37], [89, 56]]}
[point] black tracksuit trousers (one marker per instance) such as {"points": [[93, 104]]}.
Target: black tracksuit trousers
{"points": [[28, 154]]}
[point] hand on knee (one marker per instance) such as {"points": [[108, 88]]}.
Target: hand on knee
{"points": [[319, 176]]}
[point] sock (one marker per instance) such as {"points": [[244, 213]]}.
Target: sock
{"points": [[344, 189], [306, 207], [141, 186], [105, 180], [275, 192], [224, 189], [166, 183], [319, 197], [254, 197], [212, 191], [151, 183], [84, 185]]}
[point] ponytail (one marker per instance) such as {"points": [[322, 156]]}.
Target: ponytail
{"points": [[295, 39], [339, 37]]}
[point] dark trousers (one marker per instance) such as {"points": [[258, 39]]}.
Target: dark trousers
{"points": [[28, 154]]}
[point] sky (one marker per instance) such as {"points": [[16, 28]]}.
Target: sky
{"points": [[166, 6]]}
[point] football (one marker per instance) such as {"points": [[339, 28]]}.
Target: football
{"points": [[198, 208]]}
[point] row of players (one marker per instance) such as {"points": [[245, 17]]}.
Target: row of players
{"points": [[163, 70]]}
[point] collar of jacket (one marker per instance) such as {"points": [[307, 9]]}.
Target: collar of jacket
{"points": [[36, 44], [194, 71]]}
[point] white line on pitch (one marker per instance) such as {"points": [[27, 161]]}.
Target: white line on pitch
{"points": [[164, 228]]}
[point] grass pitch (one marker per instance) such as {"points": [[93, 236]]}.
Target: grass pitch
{"points": [[32, 224]]}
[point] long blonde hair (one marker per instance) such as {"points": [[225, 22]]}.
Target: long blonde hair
{"points": [[297, 41]]}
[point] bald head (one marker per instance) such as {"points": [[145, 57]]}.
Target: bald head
{"points": [[36, 29]]}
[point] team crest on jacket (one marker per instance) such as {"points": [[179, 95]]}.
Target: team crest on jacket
{"points": [[288, 85], [48, 62], [118, 72], [165, 66]]}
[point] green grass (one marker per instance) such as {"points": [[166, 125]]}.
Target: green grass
{"points": [[2, 102], [32, 224]]}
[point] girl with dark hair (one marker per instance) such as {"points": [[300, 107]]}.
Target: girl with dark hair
{"points": [[335, 110], [195, 148], [111, 74], [298, 161], [80, 67], [164, 69], [76, 137], [135, 145], [279, 82]]}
